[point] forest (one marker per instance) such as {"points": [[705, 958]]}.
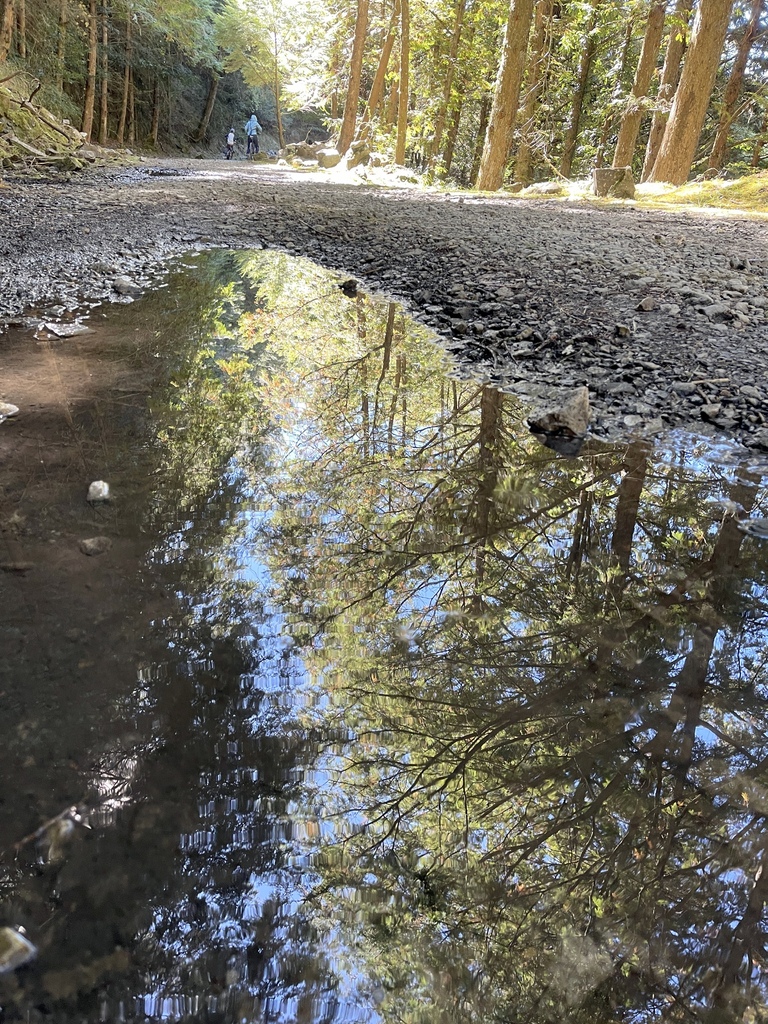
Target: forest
{"points": [[476, 93]]}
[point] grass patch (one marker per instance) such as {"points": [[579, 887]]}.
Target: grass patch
{"points": [[748, 194]]}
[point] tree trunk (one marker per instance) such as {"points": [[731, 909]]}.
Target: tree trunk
{"points": [[621, 86], [349, 121], [155, 129], [454, 121], [735, 82], [585, 69], [506, 97], [277, 89], [89, 100], [377, 89], [6, 28], [392, 105], [21, 28], [404, 82], [689, 108], [760, 142], [442, 112], [540, 44], [104, 94], [646, 65], [131, 108], [210, 103], [61, 43], [477, 156], [126, 78], [670, 76]]}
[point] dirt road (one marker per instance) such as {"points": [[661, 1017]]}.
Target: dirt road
{"points": [[662, 315]]}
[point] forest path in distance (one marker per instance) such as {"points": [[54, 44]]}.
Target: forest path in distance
{"points": [[663, 315]]}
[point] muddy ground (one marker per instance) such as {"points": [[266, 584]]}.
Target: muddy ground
{"points": [[662, 315]]}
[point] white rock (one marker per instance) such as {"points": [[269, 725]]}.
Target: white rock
{"points": [[95, 545], [98, 491], [15, 950], [7, 410]]}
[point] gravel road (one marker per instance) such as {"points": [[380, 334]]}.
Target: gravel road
{"points": [[664, 316]]}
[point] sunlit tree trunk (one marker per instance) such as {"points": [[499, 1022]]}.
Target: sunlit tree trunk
{"points": [[7, 19], [670, 76], [646, 65], [689, 107], [404, 82], [90, 82], [126, 78], [210, 103], [349, 120], [21, 28], [540, 45], [104, 93], [450, 72], [735, 82], [585, 69], [61, 43], [506, 97], [377, 88]]}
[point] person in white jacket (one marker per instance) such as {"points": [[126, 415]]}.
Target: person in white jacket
{"points": [[252, 128]]}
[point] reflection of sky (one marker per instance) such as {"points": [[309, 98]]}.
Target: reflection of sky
{"points": [[283, 714]]}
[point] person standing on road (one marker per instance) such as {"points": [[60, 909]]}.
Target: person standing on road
{"points": [[252, 128], [230, 144]]}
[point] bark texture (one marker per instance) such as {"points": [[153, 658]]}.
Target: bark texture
{"points": [[670, 76], [633, 115], [506, 96], [540, 47], [585, 69], [404, 87], [7, 18], [89, 100], [689, 108], [349, 121], [734, 86]]}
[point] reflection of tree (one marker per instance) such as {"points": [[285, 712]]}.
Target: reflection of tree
{"points": [[196, 873], [540, 661], [536, 686]]}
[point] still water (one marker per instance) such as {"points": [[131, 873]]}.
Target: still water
{"points": [[387, 713]]}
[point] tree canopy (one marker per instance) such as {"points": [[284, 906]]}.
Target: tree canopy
{"points": [[484, 94]]}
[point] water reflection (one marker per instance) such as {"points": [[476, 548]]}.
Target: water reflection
{"points": [[430, 724]]}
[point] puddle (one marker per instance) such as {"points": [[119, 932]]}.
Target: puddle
{"points": [[375, 709]]}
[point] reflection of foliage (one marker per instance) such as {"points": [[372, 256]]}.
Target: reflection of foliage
{"points": [[442, 727], [543, 666]]}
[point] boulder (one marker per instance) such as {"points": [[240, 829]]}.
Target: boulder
{"points": [[358, 153], [616, 182], [543, 188], [300, 150], [564, 427], [328, 157]]}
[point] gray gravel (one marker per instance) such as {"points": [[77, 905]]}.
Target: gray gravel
{"points": [[664, 316]]}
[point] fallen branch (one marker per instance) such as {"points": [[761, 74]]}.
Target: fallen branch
{"points": [[48, 158]]}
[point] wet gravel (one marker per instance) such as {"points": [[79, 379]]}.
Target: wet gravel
{"points": [[664, 316]]}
